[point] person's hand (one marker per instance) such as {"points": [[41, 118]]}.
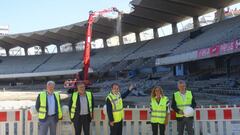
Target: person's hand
{"points": [[166, 123], [181, 112], [111, 123], [166, 120], [91, 114]]}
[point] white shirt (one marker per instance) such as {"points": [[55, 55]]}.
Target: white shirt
{"points": [[83, 105], [183, 96]]}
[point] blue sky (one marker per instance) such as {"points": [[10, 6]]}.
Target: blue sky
{"points": [[32, 15]]}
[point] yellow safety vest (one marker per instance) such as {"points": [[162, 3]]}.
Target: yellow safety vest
{"points": [[74, 102], [182, 104], [43, 105], [117, 107], [159, 110]]}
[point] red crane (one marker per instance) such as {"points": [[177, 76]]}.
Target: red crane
{"points": [[88, 40], [87, 49]]}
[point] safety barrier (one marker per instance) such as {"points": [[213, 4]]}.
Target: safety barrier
{"points": [[212, 120], [11, 122]]}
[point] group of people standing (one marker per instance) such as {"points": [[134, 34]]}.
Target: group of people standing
{"points": [[160, 109], [81, 108]]}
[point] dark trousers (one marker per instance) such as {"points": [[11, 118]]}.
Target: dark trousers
{"points": [[49, 123], [155, 127], [116, 129], [81, 121], [188, 122]]}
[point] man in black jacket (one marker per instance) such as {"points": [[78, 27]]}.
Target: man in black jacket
{"points": [[181, 99], [115, 108], [81, 107]]}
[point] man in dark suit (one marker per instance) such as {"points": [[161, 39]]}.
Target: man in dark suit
{"points": [[81, 106]]}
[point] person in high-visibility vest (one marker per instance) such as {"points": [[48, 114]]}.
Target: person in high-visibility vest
{"points": [[160, 110], [114, 105], [48, 106], [181, 99], [81, 107]]}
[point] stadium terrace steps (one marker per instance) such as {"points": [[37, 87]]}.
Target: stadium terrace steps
{"points": [[105, 67], [45, 61], [62, 61], [135, 64], [150, 62], [125, 61], [221, 32], [20, 64], [222, 86], [161, 46], [78, 65], [214, 34]]}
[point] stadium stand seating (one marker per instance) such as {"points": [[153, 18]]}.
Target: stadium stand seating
{"points": [[213, 34], [123, 57], [62, 61], [21, 64]]}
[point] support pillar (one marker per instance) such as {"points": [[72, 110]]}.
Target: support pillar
{"points": [[43, 49], [174, 28], [138, 39], [155, 33], [196, 23], [7, 51], [26, 51], [58, 49], [219, 15], [74, 47], [120, 40], [105, 45]]}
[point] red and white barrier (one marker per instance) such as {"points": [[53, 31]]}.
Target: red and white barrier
{"points": [[220, 120], [14, 120]]}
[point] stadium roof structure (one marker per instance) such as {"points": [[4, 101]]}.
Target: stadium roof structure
{"points": [[146, 14]]}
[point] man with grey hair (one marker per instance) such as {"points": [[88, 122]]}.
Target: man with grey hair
{"points": [[181, 99], [81, 108], [49, 110]]}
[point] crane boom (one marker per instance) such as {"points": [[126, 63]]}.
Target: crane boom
{"points": [[71, 84], [87, 49]]}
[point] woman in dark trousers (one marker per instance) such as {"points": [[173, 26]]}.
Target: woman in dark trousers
{"points": [[160, 110]]}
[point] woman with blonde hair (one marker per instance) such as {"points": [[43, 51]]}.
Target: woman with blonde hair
{"points": [[159, 110]]}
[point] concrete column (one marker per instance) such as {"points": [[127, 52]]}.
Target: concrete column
{"points": [[74, 47], [43, 49], [105, 45], [120, 40], [138, 39], [220, 15], [26, 51], [155, 33], [196, 23], [174, 28], [7, 51], [58, 49]]}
